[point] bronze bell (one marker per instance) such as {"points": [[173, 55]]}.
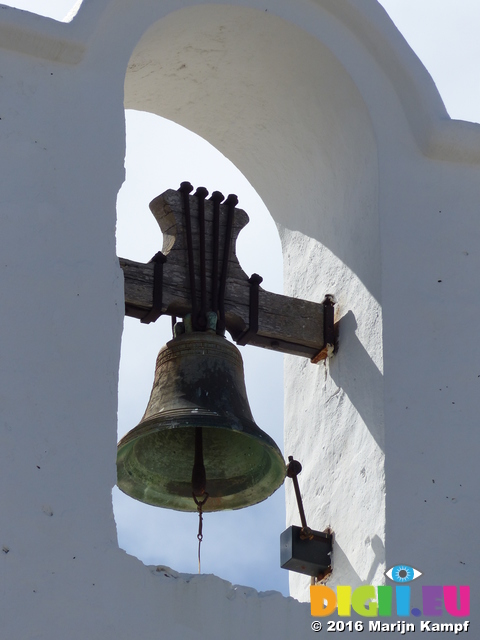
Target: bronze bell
{"points": [[198, 435]]}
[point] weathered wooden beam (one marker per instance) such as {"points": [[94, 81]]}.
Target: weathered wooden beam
{"points": [[285, 324]]}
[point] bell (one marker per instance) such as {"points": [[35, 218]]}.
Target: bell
{"points": [[197, 439]]}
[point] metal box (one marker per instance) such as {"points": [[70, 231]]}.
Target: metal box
{"points": [[311, 557]]}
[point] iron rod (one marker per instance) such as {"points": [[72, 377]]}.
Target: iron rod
{"points": [[293, 469], [201, 194], [231, 202], [217, 198], [185, 189]]}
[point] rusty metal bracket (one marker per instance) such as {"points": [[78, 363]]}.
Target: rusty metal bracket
{"points": [[328, 330], [156, 311], [244, 338]]}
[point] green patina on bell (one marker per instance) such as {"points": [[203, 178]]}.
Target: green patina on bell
{"points": [[198, 428]]}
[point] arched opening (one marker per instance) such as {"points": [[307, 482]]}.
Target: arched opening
{"points": [[281, 107], [284, 110]]}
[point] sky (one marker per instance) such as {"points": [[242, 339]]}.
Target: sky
{"points": [[444, 34]]}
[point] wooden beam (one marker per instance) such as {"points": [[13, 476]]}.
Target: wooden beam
{"points": [[285, 324]]}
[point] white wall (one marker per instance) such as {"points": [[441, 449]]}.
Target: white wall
{"points": [[335, 123]]}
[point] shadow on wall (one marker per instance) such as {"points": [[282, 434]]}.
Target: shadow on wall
{"points": [[364, 383], [343, 564]]}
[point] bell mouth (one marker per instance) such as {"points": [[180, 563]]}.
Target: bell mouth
{"points": [[243, 464]]}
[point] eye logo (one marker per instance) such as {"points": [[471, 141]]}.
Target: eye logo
{"points": [[402, 573]]}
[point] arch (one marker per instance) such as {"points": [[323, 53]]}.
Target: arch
{"points": [[278, 104]]}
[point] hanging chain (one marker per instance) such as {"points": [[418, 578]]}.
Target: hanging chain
{"points": [[200, 504]]}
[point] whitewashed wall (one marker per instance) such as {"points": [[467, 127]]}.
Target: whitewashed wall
{"points": [[334, 121]]}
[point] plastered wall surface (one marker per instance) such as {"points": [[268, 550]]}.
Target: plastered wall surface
{"points": [[334, 121]]}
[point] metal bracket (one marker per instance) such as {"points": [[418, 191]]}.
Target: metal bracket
{"points": [[328, 330], [251, 330], [156, 311]]}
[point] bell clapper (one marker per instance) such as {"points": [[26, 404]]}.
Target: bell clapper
{"points": [[200, 504], [199, 482]]}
